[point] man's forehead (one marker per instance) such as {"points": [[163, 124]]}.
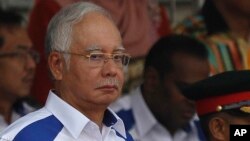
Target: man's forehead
{"points": [[15, 48], [14, 38], [96, 32], [11, 28]]}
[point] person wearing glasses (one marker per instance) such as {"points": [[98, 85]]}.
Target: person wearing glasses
{"points": [[86, 60], [17, 68], [157, 110]]}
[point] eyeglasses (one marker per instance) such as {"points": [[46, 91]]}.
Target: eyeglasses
{"points": [[22, 55], [98, 59]]}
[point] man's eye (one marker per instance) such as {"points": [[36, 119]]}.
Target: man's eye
{"points": [[118, 57], [20, 54], [17, 55], [96, 57]]}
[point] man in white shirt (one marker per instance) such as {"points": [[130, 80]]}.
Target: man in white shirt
{"points": [[157, 110], [86, 60], [18, 64]]}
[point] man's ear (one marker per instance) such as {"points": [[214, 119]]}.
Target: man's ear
{"points": [[219, 128], [56, 65], [151, 79]]}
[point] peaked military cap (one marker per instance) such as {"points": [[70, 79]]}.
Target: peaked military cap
{"points": [[228, 91]]}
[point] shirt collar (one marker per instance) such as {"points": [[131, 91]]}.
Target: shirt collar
{"points": [[211, 14], [3, 124], [72, 119], [66, 114], [141, 110], [111, 119], [18, 107], [149, 121]]}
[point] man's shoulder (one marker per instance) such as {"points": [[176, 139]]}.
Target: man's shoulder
{"points": [[39, 125]]}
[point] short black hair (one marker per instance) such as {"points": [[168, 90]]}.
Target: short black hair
{"points": [[7, 19], [159, 56]]}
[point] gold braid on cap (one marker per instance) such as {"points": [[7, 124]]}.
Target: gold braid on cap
{"points": [[245, 109]]}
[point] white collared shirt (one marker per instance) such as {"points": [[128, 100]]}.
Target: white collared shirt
{"points": [[24, 109], [59, 121], [143, 126]]}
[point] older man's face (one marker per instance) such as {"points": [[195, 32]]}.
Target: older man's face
{"points": [[89, 82], [17, 66]]}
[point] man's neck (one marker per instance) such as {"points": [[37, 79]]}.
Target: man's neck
{"points": [[95, 115], [170, 126], [91, 110], [6, 110]]}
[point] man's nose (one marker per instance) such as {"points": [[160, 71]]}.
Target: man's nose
{"points": [[109, 67], [31, 62]]}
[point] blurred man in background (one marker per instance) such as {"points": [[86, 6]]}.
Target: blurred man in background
{"points": [[157, 110], [18, 63]]}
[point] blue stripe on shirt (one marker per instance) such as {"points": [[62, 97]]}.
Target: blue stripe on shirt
{"points": [[200, 131], [109, 118], [129, 137], [127, 117], [42, 130]]}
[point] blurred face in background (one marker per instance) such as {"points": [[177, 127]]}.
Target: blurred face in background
{"points": [[175, 110], [16, 63], [187, 69]]}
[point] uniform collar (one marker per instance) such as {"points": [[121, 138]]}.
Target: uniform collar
{"points": [[71, 117], [141, 110]]}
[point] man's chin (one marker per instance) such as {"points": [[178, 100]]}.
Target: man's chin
{"points": [[23, 93], [108, 99]]}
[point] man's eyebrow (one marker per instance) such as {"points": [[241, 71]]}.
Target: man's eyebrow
{"points": [[93, 48], [119, 48]]}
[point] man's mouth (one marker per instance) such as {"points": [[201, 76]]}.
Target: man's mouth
{"points": [[108, 87]]}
